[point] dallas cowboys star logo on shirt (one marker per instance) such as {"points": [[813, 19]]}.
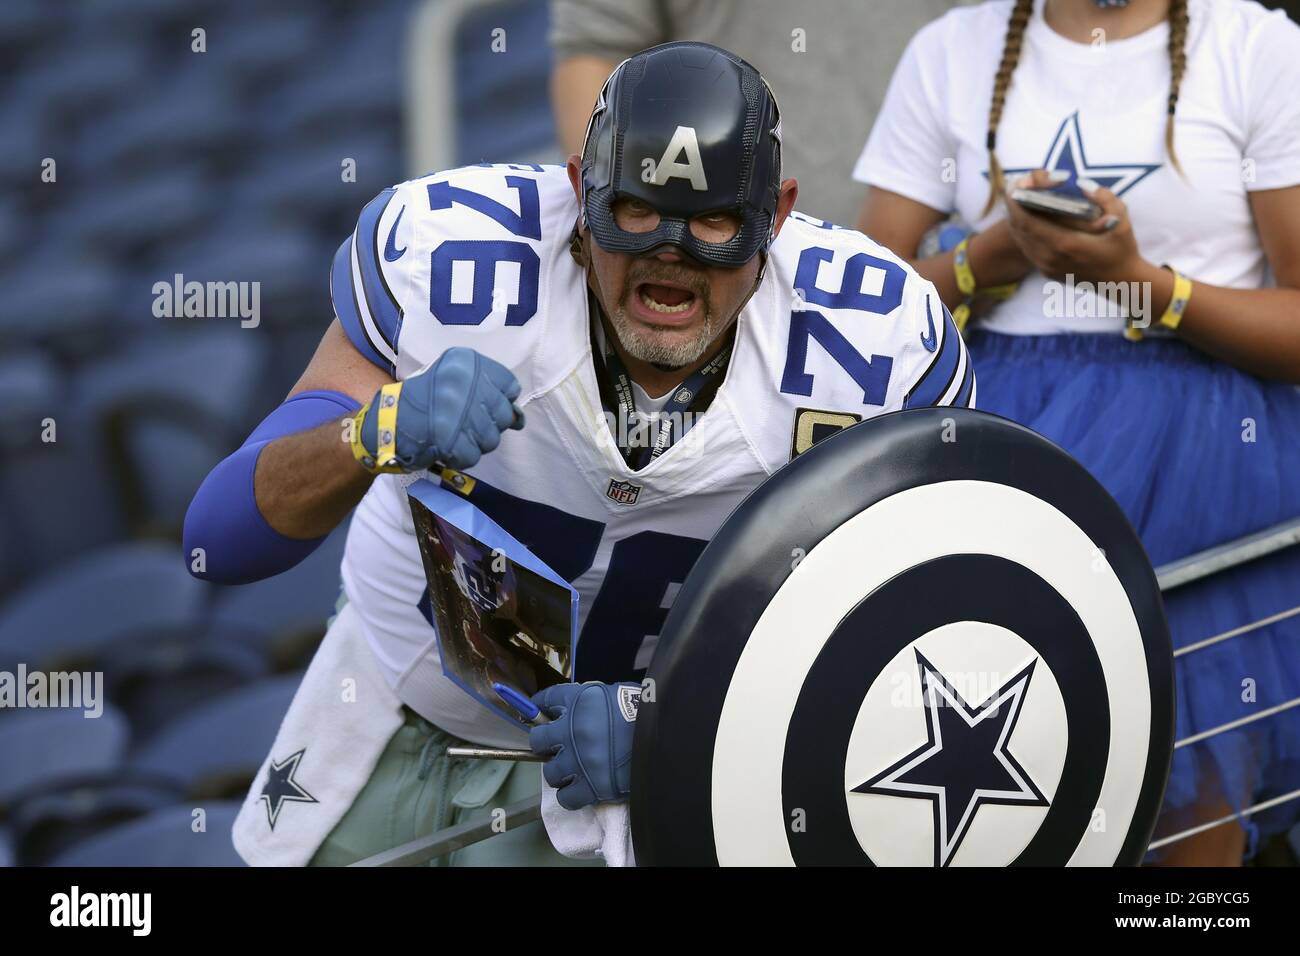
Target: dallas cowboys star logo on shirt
{"points": [[1066, 153], [281, 787], [964, 763]]}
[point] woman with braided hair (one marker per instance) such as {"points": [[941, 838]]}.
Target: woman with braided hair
{"points": [[1159, 342]]}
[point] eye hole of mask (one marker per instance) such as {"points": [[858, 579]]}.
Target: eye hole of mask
{"points": [[635, 216]]}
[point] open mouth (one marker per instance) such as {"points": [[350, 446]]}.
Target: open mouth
{"points": [[665, 299]]}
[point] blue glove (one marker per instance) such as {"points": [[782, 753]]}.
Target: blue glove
{"points": [[451, 413], [589, 740]]}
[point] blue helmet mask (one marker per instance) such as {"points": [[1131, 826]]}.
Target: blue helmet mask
{"points": [[688, 129]]}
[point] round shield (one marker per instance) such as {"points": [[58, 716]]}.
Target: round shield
{"points": [[933, 639]]}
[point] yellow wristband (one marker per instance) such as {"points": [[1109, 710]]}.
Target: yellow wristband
{"points": [[384, 461], [960, 316], [1178, 302], [1173, 313], [961, 268]]}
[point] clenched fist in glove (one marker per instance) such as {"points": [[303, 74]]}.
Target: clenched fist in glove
{"points": [[451, 414]]}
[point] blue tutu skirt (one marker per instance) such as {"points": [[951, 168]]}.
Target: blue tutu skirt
{"points": [[1197, 453]]}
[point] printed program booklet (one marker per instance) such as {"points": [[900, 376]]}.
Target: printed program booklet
{"points": [[500, 614]]}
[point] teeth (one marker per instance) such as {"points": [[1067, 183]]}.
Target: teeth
{"points": [[657, 306]]}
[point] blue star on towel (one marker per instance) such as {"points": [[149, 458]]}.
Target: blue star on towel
{"points": [[281, 787], [1066, 153], [964, 764]]}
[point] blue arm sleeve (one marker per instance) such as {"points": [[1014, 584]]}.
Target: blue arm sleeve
{"points": [[226, 539]]}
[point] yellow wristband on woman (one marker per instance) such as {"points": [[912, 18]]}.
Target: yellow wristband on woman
{"points": [[1173, 314], [967, 285], [961, 267]]}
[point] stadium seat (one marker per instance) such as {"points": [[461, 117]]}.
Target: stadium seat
{"points": [[252, 58], [12, 229], [215, 750], [194, 117], [288, 261], [503, 112], [156, 679], [30, 390], [73, 613], [70, 810], [37, 527], [195, 394], [284, 616], [25, 21], [165, 838], [73, 305], [88, 72], [38, 747], [362, 88], [165, 206], [306, 185]]}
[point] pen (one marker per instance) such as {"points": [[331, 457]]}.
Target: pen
{"points": [[522, 706]]}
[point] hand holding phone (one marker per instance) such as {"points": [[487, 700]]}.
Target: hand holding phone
{"points": [[1065, 200]]}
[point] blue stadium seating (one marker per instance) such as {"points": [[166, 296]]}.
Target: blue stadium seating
{"points": [[46, 303], [194, 394], [156, 679], [306, 183], [12, 231], [26, 22], [38, 527], [284, 617], [38, 747], [80, 609], [72, 809], [29, 392], [503, 113], [235, 730], [220, 166], [89, 72], [170, 204], [165, 838]]}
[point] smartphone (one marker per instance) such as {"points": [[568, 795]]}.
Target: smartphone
{"points": [[1066, 200]]}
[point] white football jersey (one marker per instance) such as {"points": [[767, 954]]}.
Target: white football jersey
{"points": [[838, 330]]}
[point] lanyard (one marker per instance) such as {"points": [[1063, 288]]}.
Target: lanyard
{"points": [[689, 400]]}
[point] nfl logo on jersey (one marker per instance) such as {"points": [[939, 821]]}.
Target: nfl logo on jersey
{"points": [[624, 492]]}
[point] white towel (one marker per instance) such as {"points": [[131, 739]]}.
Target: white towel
{"points": [[601, 831], [339, 723]]}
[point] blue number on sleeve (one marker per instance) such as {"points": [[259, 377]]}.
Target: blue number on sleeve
{"points": [[850, 295], [486, 255], [527, 222], [871, 374]]}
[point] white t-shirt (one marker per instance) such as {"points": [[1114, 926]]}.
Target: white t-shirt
{"points": [[1101, 110]]}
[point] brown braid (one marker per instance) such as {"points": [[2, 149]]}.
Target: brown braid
{"points": [[1011, 57], [1177, 67]]}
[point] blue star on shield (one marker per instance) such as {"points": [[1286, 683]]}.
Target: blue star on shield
{"points": [[281, 788], [964, 763], [1066, 153]]}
